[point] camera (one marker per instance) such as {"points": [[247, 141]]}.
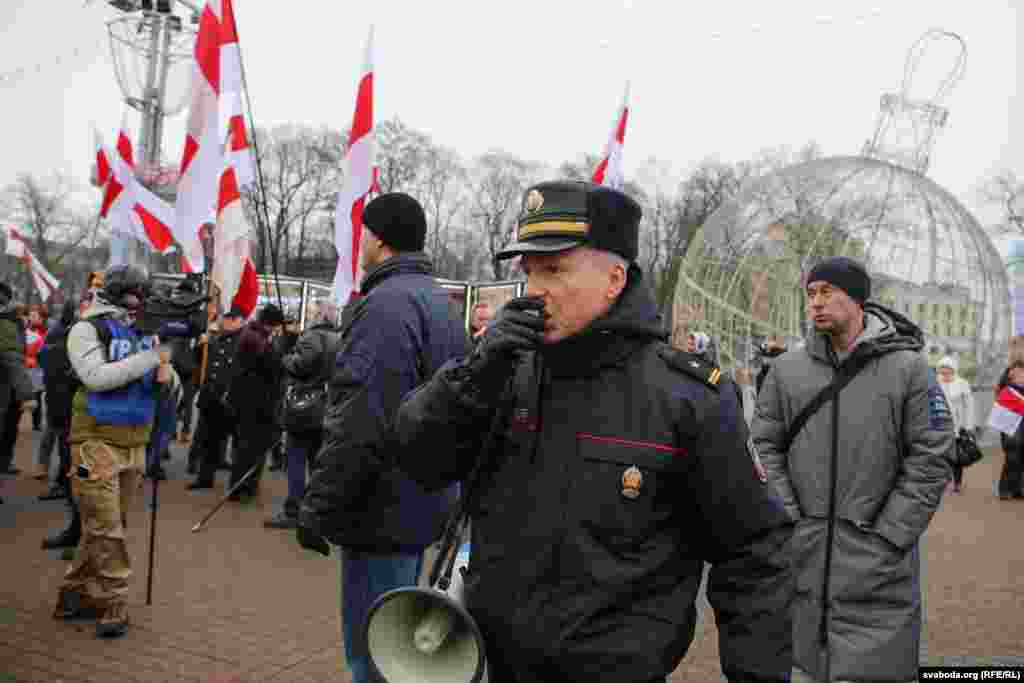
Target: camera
{"points": [[180, 313]]}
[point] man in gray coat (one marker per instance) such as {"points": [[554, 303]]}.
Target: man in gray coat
{"points": [[862, 478]]}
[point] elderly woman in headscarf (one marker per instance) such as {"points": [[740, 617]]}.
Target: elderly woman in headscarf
{"points": [[961, 404]]}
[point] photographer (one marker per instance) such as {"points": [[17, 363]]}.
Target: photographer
{"points": [[122, 375], [185, 356]]}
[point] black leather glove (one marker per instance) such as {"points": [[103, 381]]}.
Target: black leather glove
{"points": [[518, 328], [310, 540]]}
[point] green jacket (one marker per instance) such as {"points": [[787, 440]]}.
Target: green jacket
{"points": [[14, 378]]}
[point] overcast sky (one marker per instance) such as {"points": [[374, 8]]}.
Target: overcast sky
{"points": [[542, 78]]}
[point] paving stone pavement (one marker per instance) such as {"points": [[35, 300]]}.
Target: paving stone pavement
{"points": [[237, 602]]}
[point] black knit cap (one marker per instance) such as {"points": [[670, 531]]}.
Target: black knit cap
{"points": [[563, 214], [398, 220], [270, 315], [846, 274]]}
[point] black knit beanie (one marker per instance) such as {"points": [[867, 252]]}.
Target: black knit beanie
{"points": [[270, 315], [844, 273], [398, 220]]}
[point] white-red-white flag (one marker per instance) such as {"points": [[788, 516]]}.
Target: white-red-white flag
{"points": [[610, 170], [360, 180], [150, 218], [131, 210], [1007, 412], [18, 247], [202, 158], [233, 269], [124, 149], [102, 165]]}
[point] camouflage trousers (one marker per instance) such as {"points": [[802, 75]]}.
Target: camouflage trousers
{"points": [[103, 480]]}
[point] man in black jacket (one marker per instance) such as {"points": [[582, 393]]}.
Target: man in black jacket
{"points": [[402, 330], [309, 363], [185, 357], [216, 422], [620, 466]]}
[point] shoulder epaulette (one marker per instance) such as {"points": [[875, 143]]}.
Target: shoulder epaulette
{"points": [[693, 365]]}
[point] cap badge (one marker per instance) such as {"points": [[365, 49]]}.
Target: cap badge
{"points": [[632, 482], [534, 200]]}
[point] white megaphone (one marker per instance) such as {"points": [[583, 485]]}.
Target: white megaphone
{"points": [[425, 635]]}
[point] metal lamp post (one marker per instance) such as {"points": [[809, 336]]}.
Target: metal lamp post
{"points": [[151, 49]]}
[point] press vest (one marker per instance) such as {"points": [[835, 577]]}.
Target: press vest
{"points": [[121, 416]]}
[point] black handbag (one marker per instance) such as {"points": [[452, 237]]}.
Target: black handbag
{"points": [[967, 450], [305, 406], [305, 403]]}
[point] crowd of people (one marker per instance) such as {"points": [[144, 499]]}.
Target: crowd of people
{"points": [[601, 467]]}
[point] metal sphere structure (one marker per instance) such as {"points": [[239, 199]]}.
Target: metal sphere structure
{"points": [[742, 280], [743, 277]]}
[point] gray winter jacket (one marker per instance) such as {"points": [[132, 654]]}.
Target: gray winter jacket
{"points": [[863, 489], [89, 358], [308, 360]]}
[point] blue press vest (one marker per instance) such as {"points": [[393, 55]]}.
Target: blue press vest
{"points": [[134, 403]]}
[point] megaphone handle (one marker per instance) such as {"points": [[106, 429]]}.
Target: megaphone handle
{"points": [[460, 516]]}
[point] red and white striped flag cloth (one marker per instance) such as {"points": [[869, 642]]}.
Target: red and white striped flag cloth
{"points": [[102, 165], [610, 170], [233, 269], [104, 168], [131, 209], [150, 218], [202, 158], [1007, 412], [360, 180], [17, 246]]}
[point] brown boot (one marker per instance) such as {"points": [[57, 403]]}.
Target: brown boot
{"points": [[114, 622]]}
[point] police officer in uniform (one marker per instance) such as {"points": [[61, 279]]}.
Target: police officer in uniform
{"points": [[620, 467], [216, 421]]}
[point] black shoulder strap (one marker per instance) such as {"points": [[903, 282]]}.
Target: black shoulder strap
{"points": [[847, 371], [693, 365]]}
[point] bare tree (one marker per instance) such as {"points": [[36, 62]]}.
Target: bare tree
{"points": [[499, 180], [441, 190], [300, 169], [43, 209], [1006, 191], [401, 155]]}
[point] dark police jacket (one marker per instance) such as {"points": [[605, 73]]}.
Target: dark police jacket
{"points": [[569, 573], [220, 361], [400, 332]]}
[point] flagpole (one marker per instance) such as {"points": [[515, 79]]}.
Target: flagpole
{"points": [[259, 172]]}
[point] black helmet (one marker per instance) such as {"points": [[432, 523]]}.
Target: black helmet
{"points": [[121, 280]]}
